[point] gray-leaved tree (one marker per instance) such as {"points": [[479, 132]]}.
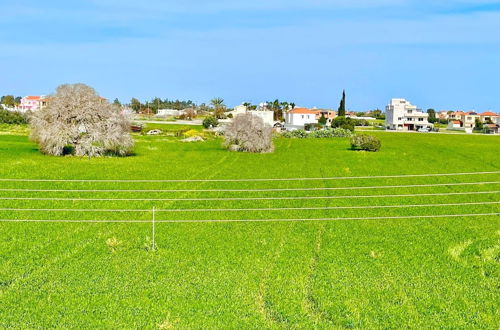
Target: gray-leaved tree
{"points": [[249, 133], [78, 121]]}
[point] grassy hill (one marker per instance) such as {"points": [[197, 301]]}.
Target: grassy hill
{"points": [[413, 252]]}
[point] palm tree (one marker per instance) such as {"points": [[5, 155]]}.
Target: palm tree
{"points": [[217, 102], [219, 107]]}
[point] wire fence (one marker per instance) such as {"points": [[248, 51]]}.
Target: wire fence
{"points": [[484, 204]]}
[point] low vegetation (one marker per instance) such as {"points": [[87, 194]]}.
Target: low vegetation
{"points": [[12, 117], [433, 272], [318, 134]]}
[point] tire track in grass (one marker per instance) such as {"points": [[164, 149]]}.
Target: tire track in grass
{"points": [[40, 279], [265, 308], [37, 247], [310, 303], [75, 248]]}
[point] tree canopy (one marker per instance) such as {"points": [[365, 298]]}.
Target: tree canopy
{"points": [[78, 121]]}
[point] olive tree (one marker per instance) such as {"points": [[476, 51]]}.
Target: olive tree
{"points": [[78, 121], [249, 133]]}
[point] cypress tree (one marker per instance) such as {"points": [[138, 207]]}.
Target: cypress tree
{"points": [[341, 111]]}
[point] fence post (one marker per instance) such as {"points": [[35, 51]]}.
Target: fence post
{"points": [[154, 242]]}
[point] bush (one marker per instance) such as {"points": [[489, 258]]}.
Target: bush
{"points": [[12, 118], [248, 133], [296, 134], [320, 134], [331, 133], [365, 142], [344, 122], [210, 121]]}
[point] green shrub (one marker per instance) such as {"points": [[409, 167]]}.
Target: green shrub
{"points": [[297, 134], [12, 118], [344, 122], [331, 133], [210, 122], [365, 142], [319, 134]]}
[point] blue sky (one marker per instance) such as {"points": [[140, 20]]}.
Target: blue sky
{"points": [[441, 54]]}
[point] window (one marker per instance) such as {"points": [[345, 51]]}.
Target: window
{"points": [[410, 111], [420, 119], [302, 116]]}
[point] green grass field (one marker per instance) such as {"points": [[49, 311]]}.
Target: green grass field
{"points": [[416, 251]]}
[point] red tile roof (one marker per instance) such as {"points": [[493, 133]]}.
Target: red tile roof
{"points": [[304, 111], [32, 97], [488, 113]]}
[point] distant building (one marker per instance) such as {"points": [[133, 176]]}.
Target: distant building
{"points": [[402, 115], [299, 117], [466, 121], [32, 103], [442, 115], [329, 114], [239, 110], [469, 119], [489, 117], [167, 113], [267, 116]]}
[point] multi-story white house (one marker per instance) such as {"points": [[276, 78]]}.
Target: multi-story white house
{"points": [[402, 115], [299, 117], [32, 103]]}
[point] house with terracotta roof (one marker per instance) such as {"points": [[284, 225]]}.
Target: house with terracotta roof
{"points": [[329, 114], [489, 117], [32, 103], [299, 117]]}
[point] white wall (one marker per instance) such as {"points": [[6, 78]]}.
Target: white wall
{"points": [[300, 119], [267, 116]]}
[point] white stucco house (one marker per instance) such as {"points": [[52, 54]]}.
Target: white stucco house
{"points": [[400, 114], [299, 117]]}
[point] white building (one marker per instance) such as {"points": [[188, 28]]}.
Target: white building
{"points": [[400, 114], [167, 113], [266, 115], [239, 110], [299, 117]]}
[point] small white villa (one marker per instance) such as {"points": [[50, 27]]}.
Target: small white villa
{"points": [[299, 117]]}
